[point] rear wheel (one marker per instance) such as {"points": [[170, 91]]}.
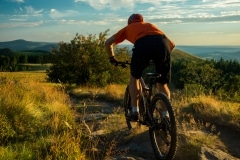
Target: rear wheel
{"points": [[163, 133]]}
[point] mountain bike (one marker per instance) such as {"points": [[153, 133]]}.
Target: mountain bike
{"points": [[156, 112]]}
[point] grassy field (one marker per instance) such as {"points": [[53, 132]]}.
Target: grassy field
{"points": [[36, 67], [37, 118]]}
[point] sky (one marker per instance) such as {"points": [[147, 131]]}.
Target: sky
{"points": [[186, 22]]}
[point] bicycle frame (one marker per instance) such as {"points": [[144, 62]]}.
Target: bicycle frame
{"points": [[146, 95]]}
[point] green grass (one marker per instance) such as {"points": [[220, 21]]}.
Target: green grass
{"points": [[35, 67]]}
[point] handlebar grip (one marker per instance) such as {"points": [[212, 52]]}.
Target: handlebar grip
{"points": [[123, 64]]}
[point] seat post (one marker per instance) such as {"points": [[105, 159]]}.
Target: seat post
{"points": [[151, 79]]}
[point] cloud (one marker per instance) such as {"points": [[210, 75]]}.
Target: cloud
{"points": [[20, 24], [197, 19], [110, 4], [17, 19], [18, 1], [230, 13], [209, 11], [130, 4], [88, 23], [150, 9], [31, 11], [175, 11], [55, 14], [218, 4], [23, 14]]}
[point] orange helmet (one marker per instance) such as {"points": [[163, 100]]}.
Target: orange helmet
{"points": [[135, 18]]}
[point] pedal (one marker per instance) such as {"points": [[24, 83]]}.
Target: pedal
{"points": [[131, 119]]}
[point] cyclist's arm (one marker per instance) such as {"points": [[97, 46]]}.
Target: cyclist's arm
{"points": [[109, 46]]}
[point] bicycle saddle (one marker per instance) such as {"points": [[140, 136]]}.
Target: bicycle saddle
{"points": [[152, 75]]}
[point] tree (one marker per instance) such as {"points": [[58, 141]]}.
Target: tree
{"points": [[23, 58], [5, 51], [201, 73], [84, 61], [4, 63]]}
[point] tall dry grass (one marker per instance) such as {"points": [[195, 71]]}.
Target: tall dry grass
{"points": [[209, 108], [38, 122], [111, 92], [36, 119], [198, 118]]}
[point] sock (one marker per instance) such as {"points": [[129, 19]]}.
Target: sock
{"points": [[165, 113], [135, 109]]}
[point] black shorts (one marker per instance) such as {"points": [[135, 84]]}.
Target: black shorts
{"points": [[155, 48]]}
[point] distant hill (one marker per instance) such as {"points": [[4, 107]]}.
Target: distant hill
{"points": [[213, 52], [175, 55], [21, 44], [179, 54]]}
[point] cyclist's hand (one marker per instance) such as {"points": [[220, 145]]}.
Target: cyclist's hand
{"points": [[113, 60]]}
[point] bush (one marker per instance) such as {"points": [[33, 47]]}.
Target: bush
{"points": [[84, 61], [192, 90], [81, 61]]}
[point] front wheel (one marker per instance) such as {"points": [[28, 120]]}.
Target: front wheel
{"points": [[127, 107], [163, 131]]}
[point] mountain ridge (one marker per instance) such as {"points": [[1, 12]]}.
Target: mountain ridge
{"points": [[21, 44]]}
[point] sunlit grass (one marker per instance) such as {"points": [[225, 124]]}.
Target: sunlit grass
{"points": [[216, 111], [115, 91], [37, 121], [208, 108], [36, 67], [112, 92], [36, 76], [197, 119]]}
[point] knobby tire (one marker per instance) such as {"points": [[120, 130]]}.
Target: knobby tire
{"points": [[163, 137], [127, 107]]}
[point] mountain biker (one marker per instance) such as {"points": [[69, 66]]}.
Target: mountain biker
{"points": [[150, 43]]}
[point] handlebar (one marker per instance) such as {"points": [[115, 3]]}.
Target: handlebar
{"points": [[123, 64]]}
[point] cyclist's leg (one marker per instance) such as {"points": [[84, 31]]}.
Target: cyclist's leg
{"points": [[163, 87], [163, 66], [134, 90], [139, 62]]}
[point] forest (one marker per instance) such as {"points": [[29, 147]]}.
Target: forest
{"points": [[14, 60]]}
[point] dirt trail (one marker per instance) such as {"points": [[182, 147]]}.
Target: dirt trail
{"points": [[138, 147], [231, 140]]}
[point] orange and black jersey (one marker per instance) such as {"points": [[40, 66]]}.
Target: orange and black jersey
{"points": [[134, 31]]}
